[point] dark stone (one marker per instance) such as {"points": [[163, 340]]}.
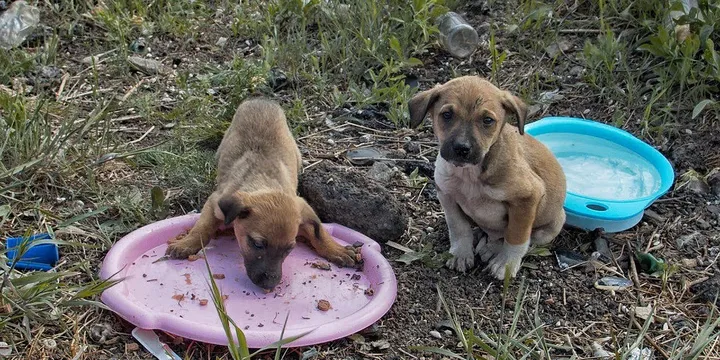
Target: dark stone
{"points": [[347, 197], [714, 182], [708, 290]]}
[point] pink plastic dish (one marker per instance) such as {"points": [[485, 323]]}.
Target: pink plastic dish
{"points": [[147, 296]]}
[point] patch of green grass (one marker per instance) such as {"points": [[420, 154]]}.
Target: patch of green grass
{"points": [[636, 55], [359, 46]]}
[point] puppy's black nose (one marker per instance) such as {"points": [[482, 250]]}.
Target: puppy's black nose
{"points": [[462, 149]]}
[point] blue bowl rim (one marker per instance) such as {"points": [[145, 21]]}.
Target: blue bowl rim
{"points": [[625, 208]]}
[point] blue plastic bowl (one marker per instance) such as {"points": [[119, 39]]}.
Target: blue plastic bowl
{"points": [[39, 257], [612, 176]]}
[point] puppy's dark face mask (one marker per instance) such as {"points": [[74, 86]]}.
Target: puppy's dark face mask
{"points": [[265, 226], [468, 114]]}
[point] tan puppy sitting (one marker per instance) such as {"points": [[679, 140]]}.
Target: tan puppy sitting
{"points": [[490, 173], [257, 179]]}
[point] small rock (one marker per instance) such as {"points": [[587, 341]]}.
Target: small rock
{"points": [[221, 41], [708, 289], [599, 352], [714, 209], [412, 147], [50, 72], [277, 80], [637, 354], [688, 131], [147, 66], [435, 334], [310, 354], [577, 71], [714, 182], [534, 109], [558, 47], [354, 201], [643, 312], [445, 325], [702, 224], [364, 156], [101, 332], [697, 186], [380, 344], [652, 215], [49, 344], [601, 245], [138, 46], [5, 349], [685, 239], [689, 263], [132, 347], [548, 97], [381, 172], [372, 331]]}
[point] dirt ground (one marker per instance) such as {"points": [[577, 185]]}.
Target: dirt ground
{"points": [[682, 227]]}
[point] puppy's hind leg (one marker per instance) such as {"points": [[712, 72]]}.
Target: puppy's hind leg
{"points": [[460, 233], [200, 234], [546, 234]]}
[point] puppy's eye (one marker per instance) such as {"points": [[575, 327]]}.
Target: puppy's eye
{"points": [[447, 115], [255, 243], [488, 121]]}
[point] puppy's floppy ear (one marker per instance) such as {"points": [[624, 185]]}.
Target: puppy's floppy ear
{"points": [[419, 105], [232, 208], [516, 106]]}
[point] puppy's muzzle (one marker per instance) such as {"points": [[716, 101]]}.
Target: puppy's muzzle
{"points": [[460, 152], [263, 277]]}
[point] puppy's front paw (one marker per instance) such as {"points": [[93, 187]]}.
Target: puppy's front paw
{"points": [[509, 256], [343, 256], [182, 248], [462, 260]]}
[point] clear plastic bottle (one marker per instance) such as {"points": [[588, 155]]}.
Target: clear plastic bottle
{"points": [[16, 23], [456, 35]]}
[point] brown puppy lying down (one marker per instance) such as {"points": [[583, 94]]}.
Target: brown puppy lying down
{"points": [[257, 178], [491, 174]]}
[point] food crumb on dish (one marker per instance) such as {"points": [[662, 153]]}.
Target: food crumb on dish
{"points": [[203, 302], [323, 305], [320, 265], [218, 276], [369, 292], [178, 297], [193, 257], [355, 277], [187, 279]]}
